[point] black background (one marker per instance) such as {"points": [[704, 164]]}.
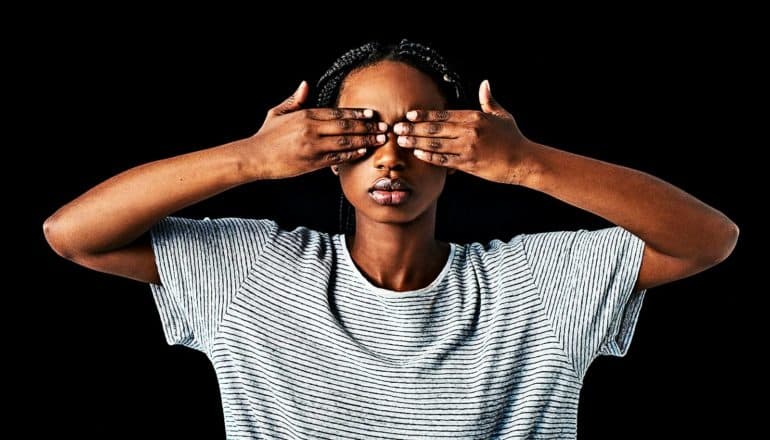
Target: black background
{"points": [[655, 92]]}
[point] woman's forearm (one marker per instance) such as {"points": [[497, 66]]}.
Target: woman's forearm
{"points": [[668, 219], [119, 210]]}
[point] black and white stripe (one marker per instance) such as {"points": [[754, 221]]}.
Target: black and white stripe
{"points": [[304, 346]]}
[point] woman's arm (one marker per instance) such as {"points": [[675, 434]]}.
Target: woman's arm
{"points": [[102, 228], [99, 229], [682, 235]]}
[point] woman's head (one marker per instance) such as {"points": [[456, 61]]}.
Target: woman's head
{"points": [[390, 79]]}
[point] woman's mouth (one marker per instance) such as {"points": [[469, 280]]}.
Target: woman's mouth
{"points": [[394, 197], [387, 191]]}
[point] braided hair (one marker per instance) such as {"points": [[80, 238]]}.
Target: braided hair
{"points": [[419, 56]]}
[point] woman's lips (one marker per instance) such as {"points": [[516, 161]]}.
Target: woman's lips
{"points": [[388, 184], [389, 197]]}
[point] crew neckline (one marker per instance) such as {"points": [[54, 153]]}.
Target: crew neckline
{"points": [[388, 293]]}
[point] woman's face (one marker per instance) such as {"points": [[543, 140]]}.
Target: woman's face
{"points": [[391, 89]]}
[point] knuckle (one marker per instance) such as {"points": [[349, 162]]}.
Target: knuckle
{"points": [[433, 128], [367, 141], [304, 146], [369, 126], [343, 141], [343, 124], [307, 132], [357, 141], [440, 115], [335, 113], [434, 144], [362, 141], [334, 156]]}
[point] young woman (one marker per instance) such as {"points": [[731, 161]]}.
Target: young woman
{"points": [[382, 331]]}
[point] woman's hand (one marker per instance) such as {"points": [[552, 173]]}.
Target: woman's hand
{"points": [[294, 141], [486, 143]]}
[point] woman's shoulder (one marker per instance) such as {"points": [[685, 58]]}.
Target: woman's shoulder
{"points": [[543, 241], [492, 245], [208, 226], [245, 236]]}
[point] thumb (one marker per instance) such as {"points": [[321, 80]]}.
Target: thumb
{"points": [[488, 102], [293, 102]]}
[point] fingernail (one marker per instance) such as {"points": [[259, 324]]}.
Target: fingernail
{"points": [[419, 153], [399, 128], [361, 150], [401, 140], [368, 113], [411, 115], [382, 126], [381, 138]]}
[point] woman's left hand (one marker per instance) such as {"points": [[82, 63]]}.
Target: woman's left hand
{"points": [[486, 143]]}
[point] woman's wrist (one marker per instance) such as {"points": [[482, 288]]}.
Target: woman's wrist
{"points": [[530, 166], [246, 162]]}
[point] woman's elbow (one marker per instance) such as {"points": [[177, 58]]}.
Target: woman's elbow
{"points": [[55, 232], [722, 243]]}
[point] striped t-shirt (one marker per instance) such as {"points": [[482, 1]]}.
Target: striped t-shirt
{"points": [[305, 347]]}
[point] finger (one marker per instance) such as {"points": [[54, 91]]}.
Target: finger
{"points": [[488, 102], [347, 142], [418, 115], [444, 145], [350, 126], [440, 159], [328, 114], [293, 102], [432, 129], [335, 157]]}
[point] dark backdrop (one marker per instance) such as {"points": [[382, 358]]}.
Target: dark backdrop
{"points": [[660, 96]]}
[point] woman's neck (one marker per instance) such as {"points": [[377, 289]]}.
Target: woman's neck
{"points": [[398, 257]]}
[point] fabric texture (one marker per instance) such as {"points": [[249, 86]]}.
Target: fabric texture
{"points": [[305, 347]]}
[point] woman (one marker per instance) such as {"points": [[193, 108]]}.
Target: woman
{"points": [[382, 330]]}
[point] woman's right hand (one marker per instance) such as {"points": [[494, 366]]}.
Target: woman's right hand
{"points": [[294, 141]]}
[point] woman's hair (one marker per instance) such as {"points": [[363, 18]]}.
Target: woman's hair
{"points": [[419, 56]]}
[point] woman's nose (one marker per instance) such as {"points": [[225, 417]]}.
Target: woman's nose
{"points": [[390, 155]]}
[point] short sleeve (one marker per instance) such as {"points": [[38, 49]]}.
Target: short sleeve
{"points": [[202, 264], [586, 281]]}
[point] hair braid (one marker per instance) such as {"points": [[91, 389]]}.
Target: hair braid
{"points": [[432, 61], [419, 56], [330, 82]]}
